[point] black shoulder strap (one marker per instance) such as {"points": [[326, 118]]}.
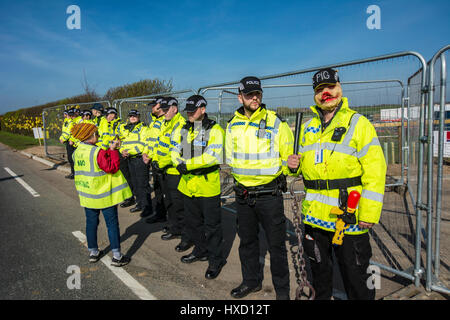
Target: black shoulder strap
{"points": [[279, 117]]}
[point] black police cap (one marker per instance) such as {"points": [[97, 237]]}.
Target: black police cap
{"points": [[194, 102], [325, 76], [250, 84], [134, 112]]}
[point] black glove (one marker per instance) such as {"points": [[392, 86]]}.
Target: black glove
{"points": [[155, 165], [182, 168]]}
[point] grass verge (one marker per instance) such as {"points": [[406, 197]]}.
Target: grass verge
{"points": [[18, 141]]}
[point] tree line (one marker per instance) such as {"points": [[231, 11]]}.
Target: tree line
{"points": [[22, 121]]}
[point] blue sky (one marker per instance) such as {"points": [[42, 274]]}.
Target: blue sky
{"points": [[196, 43]]}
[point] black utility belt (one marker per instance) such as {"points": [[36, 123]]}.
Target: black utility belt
{"points": [[203, 171], [275, 187], [332, 184]]}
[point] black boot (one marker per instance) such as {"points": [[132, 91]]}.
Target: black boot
{"points": [[128, 202]]}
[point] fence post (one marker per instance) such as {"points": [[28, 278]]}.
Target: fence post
{"points": [[429, 280]]}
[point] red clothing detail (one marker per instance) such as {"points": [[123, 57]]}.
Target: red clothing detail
{"points": [[108, 160]]}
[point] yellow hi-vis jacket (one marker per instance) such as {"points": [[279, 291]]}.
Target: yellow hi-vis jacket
{"points": [[200, 147], [133, 140], [101, 124], [107, 132], [67, 127], [257, 148], [71, 124], [96, 188], [162, 152], [65, 130], [357, 154], [152, 139]]}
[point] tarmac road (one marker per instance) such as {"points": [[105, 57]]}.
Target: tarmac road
{"points": [[38, 245], [37, 242]]}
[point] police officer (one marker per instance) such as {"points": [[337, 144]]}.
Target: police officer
{"points": [[108, 129], [133, 143], [87, 116], [170, 176], [65, 131], [197, 154], [97, 114], [339, 152], [67, 138], [147, 155], [258, 143]]}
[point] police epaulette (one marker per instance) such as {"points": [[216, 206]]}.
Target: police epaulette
{"points": [[279, 117]]}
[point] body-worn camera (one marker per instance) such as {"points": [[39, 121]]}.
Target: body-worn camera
{"points": [[338, 133]]}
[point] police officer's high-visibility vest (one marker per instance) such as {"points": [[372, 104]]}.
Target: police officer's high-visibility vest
{"points": [[133, 140], [200, 147], [162, 152], [71, 124], [354, 162], [96, 188], [257, 148], [99, 120], [108, 131], [152, 138], [65, 130], [101, 124]]}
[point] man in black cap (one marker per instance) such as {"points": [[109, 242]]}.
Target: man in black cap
{"points": [[133, 137], [198, 153], [163, 165], [97, 113], [66, 139], [87, 116], [258, 143], [108, 129], [339, 154], [147, 155]]}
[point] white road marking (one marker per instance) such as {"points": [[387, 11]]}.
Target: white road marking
{"points": [[22, 183], [124, 276]]}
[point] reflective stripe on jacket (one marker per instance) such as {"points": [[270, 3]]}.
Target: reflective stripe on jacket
{"points": [[96, 188], [258, 155], [357, 154]]}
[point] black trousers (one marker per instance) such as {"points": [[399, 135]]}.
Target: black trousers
{"points": [[124, 168], [173, 199], [70, 150], [139, 174], [353, 259], [269, 211], [203, 222], [160, 208]]}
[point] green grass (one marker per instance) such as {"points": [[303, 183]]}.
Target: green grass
{"points": [[18, 141]]}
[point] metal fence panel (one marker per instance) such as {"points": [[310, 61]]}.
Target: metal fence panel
{"points": [[394, 238]]}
